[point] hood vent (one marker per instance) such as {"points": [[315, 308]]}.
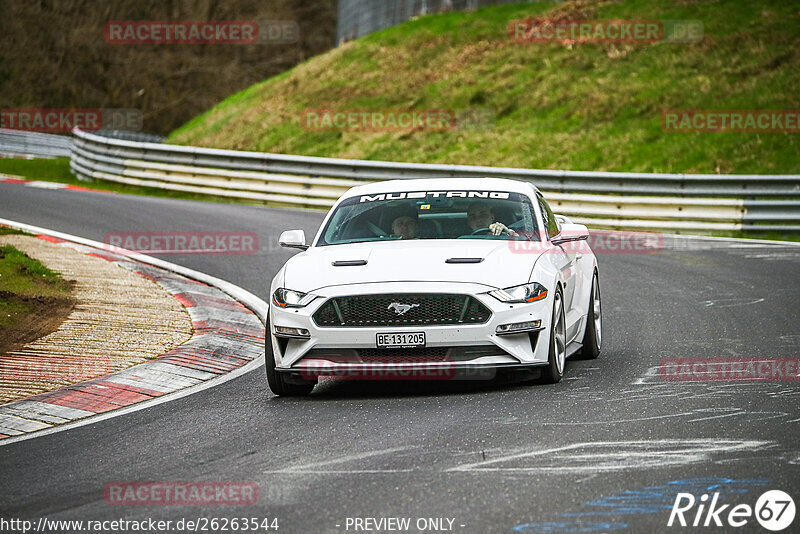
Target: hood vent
{"points": [[349, 263], [463, 260]]}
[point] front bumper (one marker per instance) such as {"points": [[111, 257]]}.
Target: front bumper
{"points": [[507, 351]]}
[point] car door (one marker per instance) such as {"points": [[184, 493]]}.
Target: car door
{"points": [[564, 259]]}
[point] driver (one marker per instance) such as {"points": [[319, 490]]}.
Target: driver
{"points": [[404, 225], [480, 216]]}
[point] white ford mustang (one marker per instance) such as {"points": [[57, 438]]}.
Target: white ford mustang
{"points": [[428, 278]]}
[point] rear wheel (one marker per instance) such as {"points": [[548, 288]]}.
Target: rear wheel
{"points": [[558, 343], [594, 325], [277, 382]]}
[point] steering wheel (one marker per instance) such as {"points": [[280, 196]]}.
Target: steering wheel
{"points": [[479, 231], [376, 229]]}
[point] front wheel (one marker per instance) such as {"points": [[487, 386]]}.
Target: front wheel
{"points": [[594, 325], [558, 343], [277, 382]]}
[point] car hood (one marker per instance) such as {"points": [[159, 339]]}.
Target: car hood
{"points": [[419, 260]]}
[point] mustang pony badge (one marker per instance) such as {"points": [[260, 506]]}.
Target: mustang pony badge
{"points": [[401, 309]]}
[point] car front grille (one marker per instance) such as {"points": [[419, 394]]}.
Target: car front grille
{"points": [[412, 355], [402, 309], [421, 354]]}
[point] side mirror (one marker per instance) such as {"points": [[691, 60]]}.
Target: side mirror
{"points": [[571, 232], [563, 219], [293, 239]]}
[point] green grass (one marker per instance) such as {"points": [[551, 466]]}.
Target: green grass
{"points": [[6, 230], [585, 107], [22, 280], [769, 235], [27, 277], [45, 169]]}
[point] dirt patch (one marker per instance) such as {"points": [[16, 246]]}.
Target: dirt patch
{"points": [[42, 315]]}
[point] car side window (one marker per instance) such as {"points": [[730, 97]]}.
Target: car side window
{"points": [[550, 221]]}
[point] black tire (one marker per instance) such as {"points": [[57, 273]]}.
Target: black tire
{"points": [[277, 382], [552, 374], [594, 325]]}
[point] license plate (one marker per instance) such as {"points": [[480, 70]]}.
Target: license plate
{"points": [[401, 340]]}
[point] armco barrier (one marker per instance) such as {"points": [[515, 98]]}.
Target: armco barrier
{"points": [[675, 202], [22, 143]]}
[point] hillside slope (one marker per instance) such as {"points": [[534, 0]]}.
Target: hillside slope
{"points": [[584, 106]]}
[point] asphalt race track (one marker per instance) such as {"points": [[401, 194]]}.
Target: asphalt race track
{"points": [[606, 449]]}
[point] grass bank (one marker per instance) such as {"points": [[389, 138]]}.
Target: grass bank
{"points": [[580, 106]]}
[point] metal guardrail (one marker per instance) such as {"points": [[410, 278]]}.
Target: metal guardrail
{"points": [[23, 143], [357, 18], [633, 201], [128, 135]]}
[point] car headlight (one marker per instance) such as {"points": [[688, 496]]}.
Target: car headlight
{"points": [[524, 293], [286, 298]]}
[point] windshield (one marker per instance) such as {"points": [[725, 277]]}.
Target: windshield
{"points": [[431, 215]]}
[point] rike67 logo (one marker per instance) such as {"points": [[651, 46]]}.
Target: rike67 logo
{"points": [[774, 510]]}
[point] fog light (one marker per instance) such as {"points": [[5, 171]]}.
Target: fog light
{"points": [[289, 331], [516, 328]]}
